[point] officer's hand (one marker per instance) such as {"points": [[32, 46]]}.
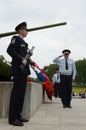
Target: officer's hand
{"points": [[24, 62], [60, 56], [73, 80]]}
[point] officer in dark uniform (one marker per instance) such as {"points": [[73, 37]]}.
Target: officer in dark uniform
{"points": [[18, 49], [67, 70]]}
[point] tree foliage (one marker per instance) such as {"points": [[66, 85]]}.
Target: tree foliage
{"points": [[5, 69], [81, 72]]}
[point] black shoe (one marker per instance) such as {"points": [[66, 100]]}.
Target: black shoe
{"points": [[23, 120], [55, 95], [64, 106], [17, 123], [69, 106]]}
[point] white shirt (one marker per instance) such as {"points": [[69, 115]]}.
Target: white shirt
{"points": [[71, 66], [56, 78]]}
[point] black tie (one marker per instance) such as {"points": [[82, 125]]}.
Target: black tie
{"points": [[66, 64]]}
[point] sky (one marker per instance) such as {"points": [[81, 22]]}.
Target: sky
{"points": [[48, 43]]}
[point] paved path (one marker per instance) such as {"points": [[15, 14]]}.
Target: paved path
{"points": [[51, 116]]}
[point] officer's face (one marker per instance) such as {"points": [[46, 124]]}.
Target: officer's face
{"points": [[66, 55], [23, 32]]}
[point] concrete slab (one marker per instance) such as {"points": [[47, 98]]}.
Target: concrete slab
{"points": [[51, 116]]}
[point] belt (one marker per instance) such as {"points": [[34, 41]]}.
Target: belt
{"points": [[66, 73]]}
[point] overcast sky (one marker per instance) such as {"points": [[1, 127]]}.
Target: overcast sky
{"points": [[48, 43]]}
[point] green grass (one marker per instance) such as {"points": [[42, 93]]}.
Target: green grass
{"points": [[78, 89]]}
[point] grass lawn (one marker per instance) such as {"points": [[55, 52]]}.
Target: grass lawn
{"points": [[78, 89]]}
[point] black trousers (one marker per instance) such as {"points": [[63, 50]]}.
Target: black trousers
{"points": [[66, 89], [17, 97], [57, 90]]}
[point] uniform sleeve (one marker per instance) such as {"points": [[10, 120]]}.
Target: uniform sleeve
{"points": [[74, 70], [57, 60], [12, 49], [53, 80]]}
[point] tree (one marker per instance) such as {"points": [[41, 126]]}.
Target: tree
{"points": [[5, 69], [81, 72]]}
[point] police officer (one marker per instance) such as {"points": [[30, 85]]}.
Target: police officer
{"points": [[17, 49], [67, 70], [56, 83]]}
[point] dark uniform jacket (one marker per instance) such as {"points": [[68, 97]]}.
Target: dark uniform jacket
{"points": [[17, 49]]}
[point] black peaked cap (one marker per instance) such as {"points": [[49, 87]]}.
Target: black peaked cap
{"points": [[22, 25], [66, 51]]}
